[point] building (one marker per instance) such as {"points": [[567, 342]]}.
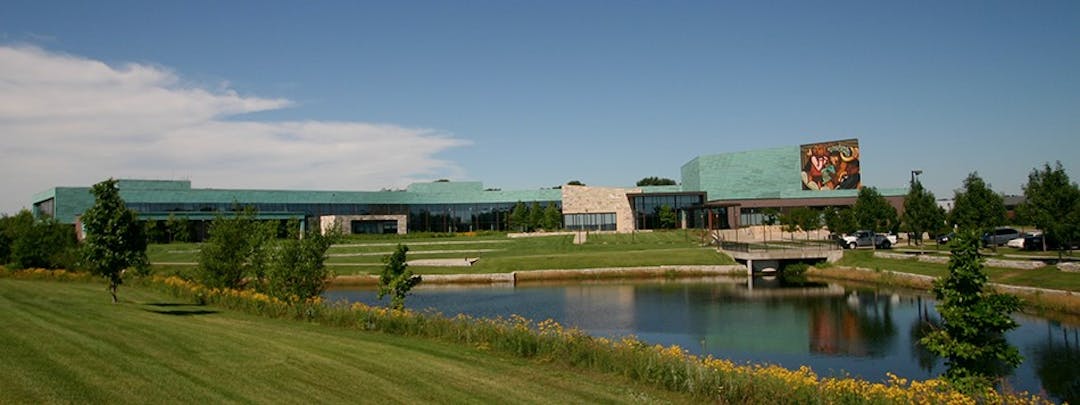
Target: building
{"points": [[720, 191]]}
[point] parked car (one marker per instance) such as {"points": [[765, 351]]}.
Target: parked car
{"points": [[867, 238], [1017, 243], [999, 236], [1035, 242], [943, 239]]}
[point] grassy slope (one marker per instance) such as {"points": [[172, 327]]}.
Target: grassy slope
{"points": [[63, 342], [499, 254], [1046, 277]]}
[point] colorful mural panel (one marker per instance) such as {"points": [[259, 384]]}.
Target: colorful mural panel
{"points": [[832, 165]]}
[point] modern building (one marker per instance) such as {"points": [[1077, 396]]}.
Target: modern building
{"points": [[718, 191]]}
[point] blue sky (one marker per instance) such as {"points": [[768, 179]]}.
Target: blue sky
{"points": [[357, 95]]}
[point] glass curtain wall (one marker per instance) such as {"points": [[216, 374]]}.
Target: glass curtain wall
{"points": [[647, 209]]}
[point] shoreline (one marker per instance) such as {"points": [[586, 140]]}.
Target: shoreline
{"points": [[514, 277]]}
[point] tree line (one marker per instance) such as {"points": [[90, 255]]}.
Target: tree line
{"points": [[531, 218]]}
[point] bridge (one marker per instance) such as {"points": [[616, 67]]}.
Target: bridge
{"points": [[758, 257]]}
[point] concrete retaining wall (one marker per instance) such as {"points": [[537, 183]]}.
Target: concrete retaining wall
{"points": [[556, 274]]}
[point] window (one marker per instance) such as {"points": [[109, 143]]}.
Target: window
{"points": [[590, 222]]}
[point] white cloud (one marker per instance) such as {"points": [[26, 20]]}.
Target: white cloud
{"points": [[68, 120]]}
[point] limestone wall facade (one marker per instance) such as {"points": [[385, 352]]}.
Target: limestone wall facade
{"points": [[344, 222], [599, 200]]}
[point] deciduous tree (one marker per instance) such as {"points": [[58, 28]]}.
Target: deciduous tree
{"points": [[655, 181], [976, 206], [972, 339], [666, 216], [840, 220], [552, 218], [519, 217], [872, 212], [114, 237], [236, 248], [396, 279], [921, 212], [297, 270], [1052, 203]]}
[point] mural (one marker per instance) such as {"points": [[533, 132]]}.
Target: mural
{"points": [[832, 165]]}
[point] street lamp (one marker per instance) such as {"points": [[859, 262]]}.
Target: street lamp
{"points": [[914, 175]]}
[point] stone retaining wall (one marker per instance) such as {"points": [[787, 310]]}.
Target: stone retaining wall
{"points": [[1007, 264], [557, 274]]}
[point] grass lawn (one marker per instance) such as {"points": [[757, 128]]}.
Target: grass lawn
{"points": [[498, 254], [64, 342], [1046, 277]]}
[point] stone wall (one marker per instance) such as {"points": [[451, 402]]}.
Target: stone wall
{"points": [[344, 222], [600, 200]]}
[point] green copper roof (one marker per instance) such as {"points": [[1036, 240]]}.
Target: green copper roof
{"points": [[73, 201], [758, 174]]}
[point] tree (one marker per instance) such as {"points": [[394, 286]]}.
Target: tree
{"points": [[114, 237], [552, 217], [976, 206], [237, 248], [975, 320], [769, 217], [800, 218], [667, 217], [536, 217], [840, 220], [519, 217], [297, 271], [872, 212], [575, 183], [921, 212], [396, 279], [655, 181], [179, 229], [26, 242], [1052, 203]]}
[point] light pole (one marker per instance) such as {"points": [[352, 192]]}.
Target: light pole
{"points": [[915, 175]]}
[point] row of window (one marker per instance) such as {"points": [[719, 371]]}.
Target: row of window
{"points": [[590, 222]]}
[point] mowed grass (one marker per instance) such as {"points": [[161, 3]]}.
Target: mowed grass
{"points": [[64, 342], [497, 253], [1045, 277]]}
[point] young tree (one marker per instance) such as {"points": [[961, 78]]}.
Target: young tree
{"points": [[237, 248], [179, 229], [666, 217], [800, 218], [976, 206], [872, 212], [519, 217], [297, 270], [921, 212], [975, 320], [552, 218], [840, 221], [114, 238], [1051, 203], [396, 279], [655, 181], [536, 217], [769, 217]]}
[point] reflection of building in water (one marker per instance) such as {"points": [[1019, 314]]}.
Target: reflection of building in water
{"points": [[861, 325], [607, 307]]}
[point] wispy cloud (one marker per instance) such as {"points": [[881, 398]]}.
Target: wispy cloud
{"points": [[69, 120]]}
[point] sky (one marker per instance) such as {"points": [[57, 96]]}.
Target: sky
{"points": [[357, 95]]}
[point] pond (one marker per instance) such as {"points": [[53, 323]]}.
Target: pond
{"points": [[834, 328]]}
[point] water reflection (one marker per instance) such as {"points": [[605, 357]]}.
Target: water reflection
{"points": [[833, 328], [1057, 362]]}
